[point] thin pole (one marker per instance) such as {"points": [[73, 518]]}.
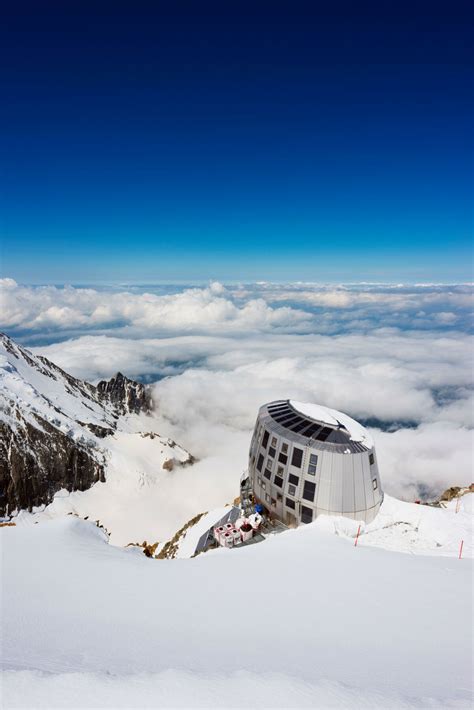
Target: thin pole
{"points": [[458, 503], [357, 537], [460, 549]]}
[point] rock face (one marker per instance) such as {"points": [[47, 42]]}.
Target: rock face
{"points": [[52, 427], [127, 395]]}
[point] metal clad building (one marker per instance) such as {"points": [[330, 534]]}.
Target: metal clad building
{"points": [[306, 460]]}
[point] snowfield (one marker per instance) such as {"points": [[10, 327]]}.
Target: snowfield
{"points": [[304, 619]]}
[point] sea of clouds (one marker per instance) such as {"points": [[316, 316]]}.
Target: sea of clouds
{"points": [[398, 357]]}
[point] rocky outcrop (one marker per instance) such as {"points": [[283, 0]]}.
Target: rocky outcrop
{"points": [[35, 463], [127, 395], [52, 426]]}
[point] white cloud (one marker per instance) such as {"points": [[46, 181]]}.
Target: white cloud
{"points": [[209, 309], [374, 351]]}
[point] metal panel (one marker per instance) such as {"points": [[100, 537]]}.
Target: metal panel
{"points": [[335, 501], [348, 505], [359, 485], [323, 482]]}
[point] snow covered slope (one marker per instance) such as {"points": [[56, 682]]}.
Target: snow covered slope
{"points": [[60, 436], [304, 619]]}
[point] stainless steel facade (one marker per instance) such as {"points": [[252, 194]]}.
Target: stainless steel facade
{"points": [[317, 468]]}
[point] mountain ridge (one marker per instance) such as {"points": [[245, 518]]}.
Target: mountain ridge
{"points": [[53, 426]]}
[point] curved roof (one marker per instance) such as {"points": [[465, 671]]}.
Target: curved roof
{"points": [[318, 423]]}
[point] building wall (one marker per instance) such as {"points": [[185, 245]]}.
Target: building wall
{"points": [[343, 483]]}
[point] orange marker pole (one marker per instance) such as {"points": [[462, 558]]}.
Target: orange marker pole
{"points": [[460, 549], [357, 537]]}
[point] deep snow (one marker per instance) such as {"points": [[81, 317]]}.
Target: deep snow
{"points": [[304, 619]]}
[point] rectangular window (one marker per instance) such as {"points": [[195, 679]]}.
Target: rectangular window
{"points": [[371, 459], [279, 496], [290, 503], [264, 485], [267, 474], [306, 514], [297, 458], [309, 490], [265, 439], [284, 448], [274, 441], [313, 462], [278, 481], [293, 479], [272, 452], [374, 484], [282, 458], [292, 490], [280, 470], [273, 502], [259, 480], [260, 463]]}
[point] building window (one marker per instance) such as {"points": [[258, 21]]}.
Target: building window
{"points": [[274, 441], [272, 452], [280, 470], [260, 463], [279, 496], [264, 485], [375, 484], [293, 479], [290, 503], [306, 514], [313, 462], [278, 481], [259, 480], [273, 502], [267, 498], [371, 459], [265, 439], [292, 490], [267, 474], [284, 448], [283, 459], [309, 490], [297, 458], [269, 464]]}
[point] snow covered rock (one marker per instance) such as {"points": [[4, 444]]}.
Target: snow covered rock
{"points": [[54, 427]]}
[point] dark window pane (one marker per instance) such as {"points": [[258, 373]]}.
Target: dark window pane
{"points": [[306, 514], [290, 503], [293, 479], [311, 431], [267, 473], [272, 452], [371, 459], [260, 462], [297, 458], [282, 458], [278, 481], [265, 439], [286, 419], [299, 425], [309, 490], [324, 433]]}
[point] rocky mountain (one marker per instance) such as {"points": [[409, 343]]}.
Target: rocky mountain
{"points": [[54, 428], [127, 395]]}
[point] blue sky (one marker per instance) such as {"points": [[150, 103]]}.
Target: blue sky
{"points": [[199, 141]]}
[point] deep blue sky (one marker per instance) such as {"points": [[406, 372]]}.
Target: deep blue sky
{"points": [[167, 140]]}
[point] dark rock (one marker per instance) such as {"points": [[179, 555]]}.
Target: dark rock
{"points": [[127, 395], [35, 463]]}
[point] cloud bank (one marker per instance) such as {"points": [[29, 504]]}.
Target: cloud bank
{"points": [[397, 357]]}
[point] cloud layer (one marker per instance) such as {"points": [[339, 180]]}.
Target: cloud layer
{"points": [[398, 357]]}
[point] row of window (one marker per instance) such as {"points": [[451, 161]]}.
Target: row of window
{"points": [[284, 415]]}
